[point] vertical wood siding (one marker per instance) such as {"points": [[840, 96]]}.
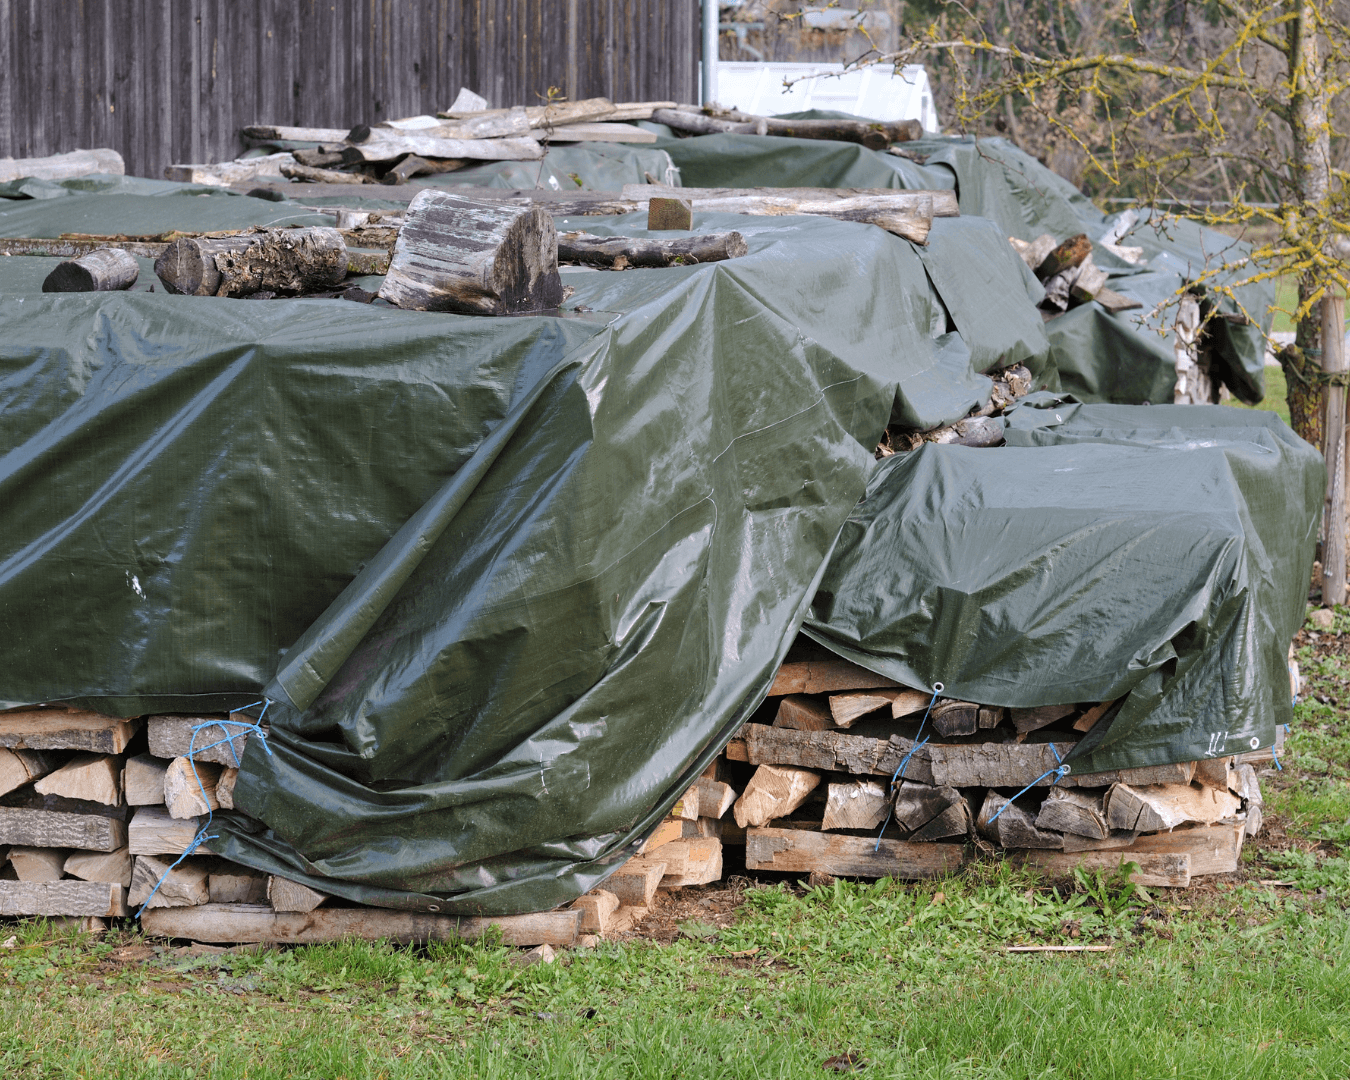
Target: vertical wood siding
{"points": [[164, 81]]}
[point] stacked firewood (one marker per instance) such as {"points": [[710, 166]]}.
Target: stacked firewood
{"points": [[1068, 273], [834, 777]]}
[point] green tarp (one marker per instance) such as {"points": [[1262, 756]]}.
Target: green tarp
{"points": [[509, 583], [1158, 557]]}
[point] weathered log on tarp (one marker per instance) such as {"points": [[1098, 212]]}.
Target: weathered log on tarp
{"points": [[105, 270], [387, 145], [287, 261], [412, 165], [63, 166], [874, 135], [466, 255], [485, 125], [314, 175], [617, 252], [225, 173]]}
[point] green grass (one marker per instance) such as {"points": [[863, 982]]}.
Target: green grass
{"points": [[1254, 986], [1276, 399]]}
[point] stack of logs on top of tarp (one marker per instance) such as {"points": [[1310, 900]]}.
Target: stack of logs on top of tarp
{"points": [[479, 253], [394, 151]]}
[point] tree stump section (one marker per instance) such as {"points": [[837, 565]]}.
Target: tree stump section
{"points": [[286, 261], [473, 257]]}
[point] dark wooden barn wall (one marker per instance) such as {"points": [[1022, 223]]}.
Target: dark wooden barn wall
{"points": [[165, 81]]}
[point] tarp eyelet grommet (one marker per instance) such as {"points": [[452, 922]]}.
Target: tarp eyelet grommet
{"points": [[938, 688]]}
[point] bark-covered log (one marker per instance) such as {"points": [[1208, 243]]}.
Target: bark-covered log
{"points": [[106, 270], [288, 261], [461, 254], [617, 252], [875, 135]]}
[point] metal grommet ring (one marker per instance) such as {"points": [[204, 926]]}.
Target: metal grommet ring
{"points": [[938, 688]]}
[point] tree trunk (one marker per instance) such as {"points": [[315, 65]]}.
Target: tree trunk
{"points": [[274, 260]]}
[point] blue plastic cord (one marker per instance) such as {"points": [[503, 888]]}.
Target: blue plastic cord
{"points": [[202, 836], [1058, 775], [900, 772]]}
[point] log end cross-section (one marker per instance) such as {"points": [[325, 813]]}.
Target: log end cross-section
{"points": [[474, 257]]}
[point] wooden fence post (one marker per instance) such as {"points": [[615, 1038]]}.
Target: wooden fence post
{"points": [[1333, 362]]}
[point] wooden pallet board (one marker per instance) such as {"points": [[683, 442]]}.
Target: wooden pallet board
{"points": [[250, 923], [1172, 871], [802, 851]]}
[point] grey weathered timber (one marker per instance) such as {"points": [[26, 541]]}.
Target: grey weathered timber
{"points": [[19, 767], [875, 135], [105, 270], [1165, 806], [995, 764], [954, 821], [917, 804], [67, 166], [803, 851], [831, 750], [601, 132], [493, 124], [1025, 720], [313, 174], [386, 145], [828, 202], [1115, 302], [171, 736], [462, 254], [57, 828], [66, 729], [247, 924], [412, 165], [37, 863], [153, 832], [1008, 825], [237, 885], [287, 261], [1165, 870], [1077, 811], [101, 898], [112, 866], [825, 676], [1180, 773], [619, 252]]}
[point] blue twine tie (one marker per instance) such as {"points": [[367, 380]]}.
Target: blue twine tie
{"points": [[900, 772], [245, 728], [1058, 775]]}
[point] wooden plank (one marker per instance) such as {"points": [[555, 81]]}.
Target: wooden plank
{"points": [[153, 832], [601, 132], [800, 712], [87, 777], [37, 863], [696, 861], [1165, 806], [1170, 871], [669, 829], [25, 827], [287, 895], [635, 882], [143, 780], [184, 885], [112, 866], [171, 737], [597, 909], [831, 750], [190, 788], [1213, 849], [859, 804], [1012, 765], [237, 885], [824, 677], [99, 898], [800, 851], [773, 792], [247, 924], [19, 767], [65, 729]]}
